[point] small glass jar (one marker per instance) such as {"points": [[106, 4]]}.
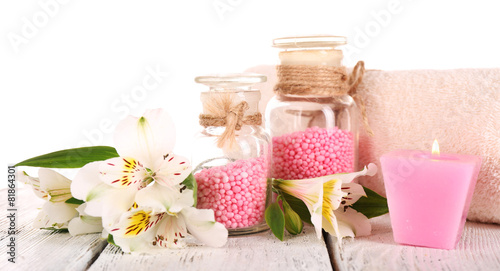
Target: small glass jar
{"points": [[312, 120], [231, 156]]}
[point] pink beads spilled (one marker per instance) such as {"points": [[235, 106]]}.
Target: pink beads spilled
{"points": [[312, 153], [236, 192]]}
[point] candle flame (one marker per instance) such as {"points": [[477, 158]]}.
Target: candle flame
{"points": [[435, 147]]}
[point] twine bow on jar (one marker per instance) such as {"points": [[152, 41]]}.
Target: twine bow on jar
{"points": [[355, 79], [222, 110]]}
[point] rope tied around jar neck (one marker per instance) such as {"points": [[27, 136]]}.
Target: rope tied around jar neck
{"points": [[324, 81], [221, 110]]}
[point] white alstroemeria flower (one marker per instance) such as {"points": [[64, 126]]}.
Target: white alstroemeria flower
{"points": [[162, 219], [55, 189], [33, 182], [145, 147], [56, 213], [327, 199]]}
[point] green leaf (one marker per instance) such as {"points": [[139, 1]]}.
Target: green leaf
{"points": [[111, 240], [55, 229], [275, 220], [299, 207], [190, 183], [372, 205], [293, 223], [71, 158], [74, 201]]}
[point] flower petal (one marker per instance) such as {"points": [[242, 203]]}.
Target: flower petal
{"points": [[34, 183], [59, 212], [369, 170], [172, 170], [164, 199], [332, 198], [348, 223], [331, 225], [51, 180], [355, 221], [87, 186], [317, 216], [113, 204], [138, 244], [156, 197], [122, 172], [85, 181], [354, 190], [43, 221], [80, 225], [146, 138], [171, 232], [95, 199], [84, 223], [332, 195], [310, 191], [201, 224], [135, 223]]}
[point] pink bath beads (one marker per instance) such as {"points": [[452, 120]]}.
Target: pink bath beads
{"points": [[237, 192], [312, 153]]}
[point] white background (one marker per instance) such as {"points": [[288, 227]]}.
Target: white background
{"points": [[70, 69]]}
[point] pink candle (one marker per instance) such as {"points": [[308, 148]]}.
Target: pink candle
{"points": [[429, 195]]}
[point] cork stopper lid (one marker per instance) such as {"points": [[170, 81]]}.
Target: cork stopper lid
{"points": [[304, 42], [231, 81]]}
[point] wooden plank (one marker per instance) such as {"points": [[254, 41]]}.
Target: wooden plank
{"points": [[478, 249], [40, 249], [253, 252]]}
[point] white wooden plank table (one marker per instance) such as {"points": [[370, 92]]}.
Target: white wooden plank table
{"points": [[255, 252], [41, 249], [45, 250], [479, 249]]}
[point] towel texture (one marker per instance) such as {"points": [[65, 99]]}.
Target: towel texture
{"points": [[409, 109]]}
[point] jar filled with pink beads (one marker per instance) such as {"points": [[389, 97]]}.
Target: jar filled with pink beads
{"points": [[313, 117], [232, 153]]}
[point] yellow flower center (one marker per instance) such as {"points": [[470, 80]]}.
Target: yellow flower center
{"points": [[332, 196], [137, 223]]}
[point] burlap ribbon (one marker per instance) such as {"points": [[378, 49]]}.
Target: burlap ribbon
{"points": [[221, 111], [323, 81]]}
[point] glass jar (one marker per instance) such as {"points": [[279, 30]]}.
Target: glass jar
{"points": [[232, 153], [312, 120]]}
